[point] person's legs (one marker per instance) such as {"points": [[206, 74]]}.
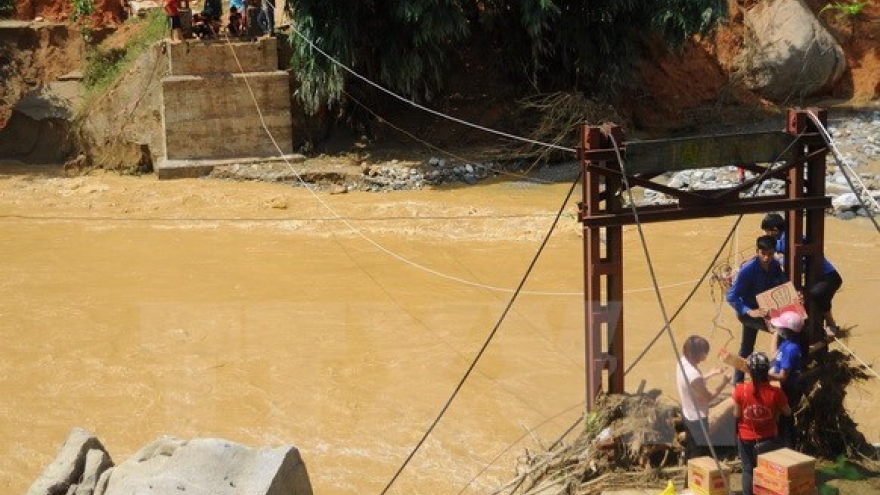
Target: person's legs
{"points": [[748, 458], [750, 327], [269, 9], [822, 292], [696, 444], [176, 33], [785, 424]]}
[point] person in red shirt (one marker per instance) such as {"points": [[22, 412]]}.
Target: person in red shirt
{"points": [[172, 10], [757, 406]]}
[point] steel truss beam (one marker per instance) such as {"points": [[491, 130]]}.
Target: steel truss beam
{"points": [[796, 156]]}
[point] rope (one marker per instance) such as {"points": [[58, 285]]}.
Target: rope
{"points": [[848, 173], [497, 325], [666, 327], [485, 343], [851, 353], [521, 437]]}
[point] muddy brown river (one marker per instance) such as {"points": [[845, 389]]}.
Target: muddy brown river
{"points": [[267, 315]]}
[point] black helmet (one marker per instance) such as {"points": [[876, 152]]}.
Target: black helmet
{"points": [[758, 362]]}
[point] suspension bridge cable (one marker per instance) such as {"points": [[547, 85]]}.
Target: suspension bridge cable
{"points": [[848, 173], [422, 107], [500, 320], [851, 353], [354, 229], [485, 345], [667, 327], [437, 148], [523, 436], [369, 240], [700, 281]]}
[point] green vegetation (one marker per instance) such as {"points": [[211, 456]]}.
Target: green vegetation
{"points": [[849, 9], [7, 8], [82, 11], [103, 67], [546, 45]]}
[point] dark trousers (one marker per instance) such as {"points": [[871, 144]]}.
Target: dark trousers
{"points": [[823, 291], [748, 455], [788, 434], [269, 13], [695, 443], [750, 328]]}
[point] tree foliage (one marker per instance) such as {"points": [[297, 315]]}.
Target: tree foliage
{"points": [[403, 45], [7, 8]]}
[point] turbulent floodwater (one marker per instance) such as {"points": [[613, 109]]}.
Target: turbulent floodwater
{"points": [[340, 324]]}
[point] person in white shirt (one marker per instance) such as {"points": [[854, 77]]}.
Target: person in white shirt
{"points": [[695, 395]]}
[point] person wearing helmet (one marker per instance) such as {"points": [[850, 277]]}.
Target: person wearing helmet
{"points": [[757, 405], [786, 366], [822, 291]]}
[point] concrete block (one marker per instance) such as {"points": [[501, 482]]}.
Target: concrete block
{"points": [[198, 58], [216, 117]]}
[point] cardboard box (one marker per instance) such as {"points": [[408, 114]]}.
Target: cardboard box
{"points": [[733, 360], [787, 465], [760, 490], [704, 478], [777, 485], [781, 298]]}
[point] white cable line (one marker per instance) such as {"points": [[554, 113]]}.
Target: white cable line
{"points": [[851, 353], [375, 244], [422, 107], [667, 325], [848, 173], [448, 153]]}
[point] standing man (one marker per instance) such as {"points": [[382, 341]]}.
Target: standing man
{"points": [[824, 289], [761, 273], [269, 12], [172, 10]]}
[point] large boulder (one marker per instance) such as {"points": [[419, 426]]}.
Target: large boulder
{"points": [[788, 54], [208, 466]]}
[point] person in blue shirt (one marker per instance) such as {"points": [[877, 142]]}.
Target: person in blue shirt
{"points": [[238, 4], [761, 273], [823, 290], [786, 367]]}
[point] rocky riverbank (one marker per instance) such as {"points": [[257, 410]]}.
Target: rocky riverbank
{"points": [[855, 134]]}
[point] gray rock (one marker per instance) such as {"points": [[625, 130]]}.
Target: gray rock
{"points": [[788, 52], [69, 465], [209, 466], [97, 461]]}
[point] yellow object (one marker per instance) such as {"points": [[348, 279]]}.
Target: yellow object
{"points": [[669, 490]]}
